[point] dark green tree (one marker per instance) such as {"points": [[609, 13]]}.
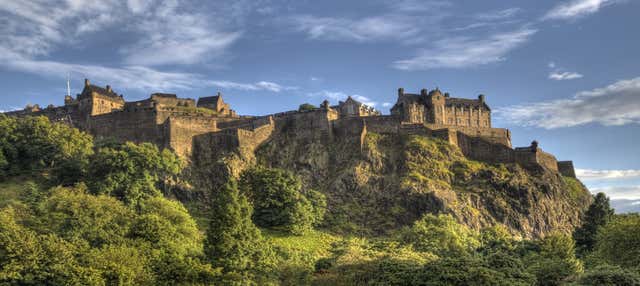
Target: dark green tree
{"points": [[306, 106], [233, 242], [618, 242], [279, 201], [598, 214], [608, 275], [131, 172]]}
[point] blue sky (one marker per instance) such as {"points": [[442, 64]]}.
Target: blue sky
{"points": [[565, 73]]}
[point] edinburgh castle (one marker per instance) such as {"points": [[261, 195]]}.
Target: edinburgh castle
{"points": [[183, 123]]}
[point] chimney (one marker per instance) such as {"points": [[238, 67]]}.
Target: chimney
{"points": [[400, 91], [481, 98], [446, 94], [109, 88], [423, 92], [86, 82]]}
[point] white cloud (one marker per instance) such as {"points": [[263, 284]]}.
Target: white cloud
{"points": [[575, 9], [616, 104], [338, 95], [387, 104], [379, 28], [620, 192], [262, 85], [564, 75], [551, 65], [128, 77], [167, 32], [461, 52], [499, 14], [588, 174]]}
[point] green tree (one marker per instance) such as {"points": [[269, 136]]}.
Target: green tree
{"points": [[34, 145], [279, 201], [441, 234], [598, 214], [609, 275], [618, 242], [306, 107], [555, 261], [131, 172], [233, 242]]}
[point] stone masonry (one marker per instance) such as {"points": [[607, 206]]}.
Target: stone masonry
{"points": [[172, 122]]}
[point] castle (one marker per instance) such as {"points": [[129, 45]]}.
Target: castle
{"points": [[183, 124]]}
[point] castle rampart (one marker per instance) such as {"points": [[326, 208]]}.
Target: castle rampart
{"points": [[182, 123]]}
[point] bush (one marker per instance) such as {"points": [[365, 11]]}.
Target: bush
{"points": [[279, 201], [441, 234], [307, 107], [618, 242], [609, 275]]}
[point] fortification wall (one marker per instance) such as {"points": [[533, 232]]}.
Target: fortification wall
{"points": [[485, 149], [139, 126], [493, 135], [385, 124], [305, 123], [182, 130], [566, 169], [535, 157]]}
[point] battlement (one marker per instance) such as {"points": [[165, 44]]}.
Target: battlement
{"points": [[182, 123]]}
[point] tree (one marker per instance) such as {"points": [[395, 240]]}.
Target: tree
{"points": [[131, 172], [598, 214], [279, 201], [608, 275], [306, 107], [233, 242], [618, 242], [35, 145], [555, 261], [441, 234]]}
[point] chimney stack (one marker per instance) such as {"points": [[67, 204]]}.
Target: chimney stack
{"points": [[423, 92], [400, 91], [109, 88], [481, 98], [86, 82]]}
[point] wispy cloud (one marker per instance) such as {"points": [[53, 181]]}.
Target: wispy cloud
{"points": [[616, 104], [261, 85], [338, 95], [564, 75], [462, 52], [620, 192], [589, 174], [369, 29], [498, 14], [576, 9]]}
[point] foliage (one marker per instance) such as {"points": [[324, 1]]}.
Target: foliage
{"points": [[74, 238], [131, 172], [555, 261], [598, 214], [279, 201], [608, 275], [307, 107], [618, 242], [34, 144], [233, 242], [441, 234]]}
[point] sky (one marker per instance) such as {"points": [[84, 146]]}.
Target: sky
{"points": [[565, 73]]}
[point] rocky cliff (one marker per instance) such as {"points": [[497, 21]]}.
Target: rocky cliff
{"points": [[379, 183]]}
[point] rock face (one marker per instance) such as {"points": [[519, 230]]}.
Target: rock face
{"points": [[379, 183]]}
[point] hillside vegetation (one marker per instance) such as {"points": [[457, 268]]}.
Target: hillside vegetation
{"points": [[298, 211]]}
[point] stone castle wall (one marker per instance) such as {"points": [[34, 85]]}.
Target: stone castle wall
{"points": [[566, 169]]}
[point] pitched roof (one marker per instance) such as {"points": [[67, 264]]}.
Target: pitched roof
{"points": [[208, 100], [100, 90]]}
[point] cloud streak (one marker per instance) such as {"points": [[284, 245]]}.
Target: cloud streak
{"points": [[575, 9], [463, 52], [338, 95], [564, 75], [620, 192], [614, 105], [589, 174]]}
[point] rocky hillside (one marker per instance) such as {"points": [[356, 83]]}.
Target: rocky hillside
{"points": [[390, 181]]}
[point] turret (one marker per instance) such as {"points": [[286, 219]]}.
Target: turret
{"points": [[423, 92], [400, 92], [86, 82], [481, 98]]}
